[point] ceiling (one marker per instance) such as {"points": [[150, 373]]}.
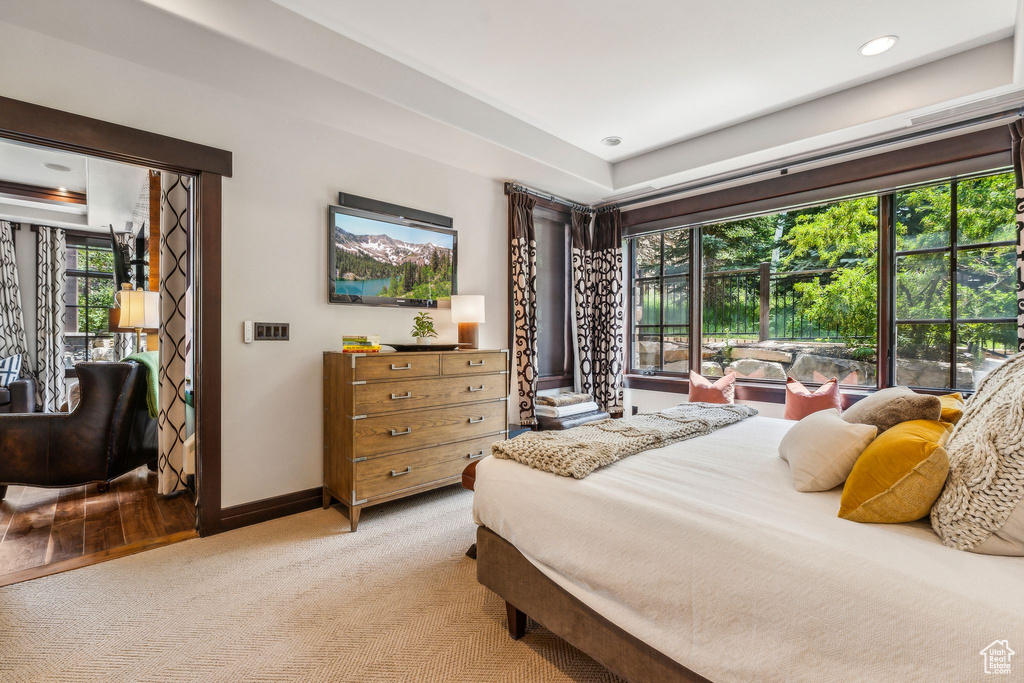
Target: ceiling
{"points": [[112, 189], [654, 72]]}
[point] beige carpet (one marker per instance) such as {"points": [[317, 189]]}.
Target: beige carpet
{"points": [[298, 598]]}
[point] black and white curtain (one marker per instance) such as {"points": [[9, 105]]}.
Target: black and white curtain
{"points": [[177, 212], [51, 273], [124, 344], [608, 312], [524, 300], [582, 299], [1017, 133], [13, 341]]}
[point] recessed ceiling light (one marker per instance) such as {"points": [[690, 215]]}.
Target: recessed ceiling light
{"points": [[58, 167], [611, 140], [62, 189], [878, 45]]}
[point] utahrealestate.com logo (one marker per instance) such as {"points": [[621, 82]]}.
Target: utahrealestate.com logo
{"points": [[997, 657]]}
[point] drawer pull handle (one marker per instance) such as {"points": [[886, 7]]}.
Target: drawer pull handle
{"points": [[407, 366], [407, 470], [474, 456], [395, 397], [408, 430], [479, 388], [476, 363], [476, 420]]}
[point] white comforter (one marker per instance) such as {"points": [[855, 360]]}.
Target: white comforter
{"points": [[705, 551]]}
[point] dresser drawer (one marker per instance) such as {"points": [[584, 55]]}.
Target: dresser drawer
{"points": [[406, 431], [381, 476], [386, 366], [471, 363], [385, 397]]}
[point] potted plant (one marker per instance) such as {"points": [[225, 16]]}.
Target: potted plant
{"points": [[423, 328]]}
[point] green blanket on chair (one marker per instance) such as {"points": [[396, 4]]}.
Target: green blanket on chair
{"points": [[151, 361]]}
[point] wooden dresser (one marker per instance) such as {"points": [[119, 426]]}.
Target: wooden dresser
{"points": [[396, 424]]}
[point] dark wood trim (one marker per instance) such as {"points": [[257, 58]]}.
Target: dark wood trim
{"points": [[950, 150], [52, 195], [208, 316], [57, 129], [237, 516], [75, 133]]}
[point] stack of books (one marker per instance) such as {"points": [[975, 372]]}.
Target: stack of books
{"points": [[360, 343]]}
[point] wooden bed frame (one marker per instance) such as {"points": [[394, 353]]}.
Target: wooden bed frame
{"points": [[527, 591]]}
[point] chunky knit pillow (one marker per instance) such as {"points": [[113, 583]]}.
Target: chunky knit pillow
{"points": [[980, 507]]}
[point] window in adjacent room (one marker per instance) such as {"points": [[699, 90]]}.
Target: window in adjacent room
{"points": [[88, 298], [661, 302], [955, 290]]}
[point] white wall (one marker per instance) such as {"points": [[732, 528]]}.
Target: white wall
{"points": [[287, 171], [25, 262]]}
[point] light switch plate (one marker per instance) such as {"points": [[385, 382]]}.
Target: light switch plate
{"points": [[248, 331]]}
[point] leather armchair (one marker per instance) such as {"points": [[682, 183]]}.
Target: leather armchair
{"points": [[109, 434], [18, 397]]}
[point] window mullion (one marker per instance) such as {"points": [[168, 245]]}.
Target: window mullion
{"points": [[953, 272]]}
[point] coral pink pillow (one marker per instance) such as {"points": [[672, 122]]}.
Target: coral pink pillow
{"points": [[800, 402], [703, 391]]}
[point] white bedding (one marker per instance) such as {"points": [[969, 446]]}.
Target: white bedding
{"points": [[705, 551]]}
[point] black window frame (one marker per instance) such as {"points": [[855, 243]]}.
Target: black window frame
{"points": [[887, 256], [84, 243]]}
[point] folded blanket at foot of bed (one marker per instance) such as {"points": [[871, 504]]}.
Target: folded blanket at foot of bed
{"points": [[578, 452]]}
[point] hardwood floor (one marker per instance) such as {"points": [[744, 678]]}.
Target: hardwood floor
{"points": [[67, 528]]}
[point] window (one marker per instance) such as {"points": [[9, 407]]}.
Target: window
{"points": [[661, 302], [797, 293], [88, 298], [955, 290]]}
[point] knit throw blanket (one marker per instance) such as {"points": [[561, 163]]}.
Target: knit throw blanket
{"points": [[564, 399], [986, 460], [579, 451]]}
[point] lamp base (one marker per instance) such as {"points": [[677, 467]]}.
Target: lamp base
{"points": [[469, 336]]}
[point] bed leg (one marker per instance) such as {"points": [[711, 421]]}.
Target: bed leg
{"points": [[471, 553], [516, 621]]}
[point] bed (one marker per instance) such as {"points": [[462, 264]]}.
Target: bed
{"points": [[700, 560]]}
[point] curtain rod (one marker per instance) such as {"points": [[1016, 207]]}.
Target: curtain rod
{"points": [[555, 199], [783, 167]]}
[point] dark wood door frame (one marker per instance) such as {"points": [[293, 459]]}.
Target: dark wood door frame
{"points": [[40, 125]]}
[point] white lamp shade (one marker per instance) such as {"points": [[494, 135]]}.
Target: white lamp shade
{"points": [[140, 309], [467, 308]]}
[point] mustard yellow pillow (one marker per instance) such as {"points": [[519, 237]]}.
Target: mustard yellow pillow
{"points": [[899, 475], [952, 408]]}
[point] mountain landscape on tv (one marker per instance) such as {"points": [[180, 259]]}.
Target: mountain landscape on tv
{"points": [[380, 265]]}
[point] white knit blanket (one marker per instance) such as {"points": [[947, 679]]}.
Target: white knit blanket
{"points": [[579, 451], [986, 458]]}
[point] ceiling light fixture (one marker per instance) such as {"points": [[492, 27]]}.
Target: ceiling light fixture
{"points": [[611, 140], [62, 189], [878, 45], [58, 167]]}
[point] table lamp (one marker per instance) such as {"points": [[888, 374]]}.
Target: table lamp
{"points": [[468, 312], [140, 310]]}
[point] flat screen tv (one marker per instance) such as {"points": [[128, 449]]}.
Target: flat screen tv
{"points": [[386, 255]]}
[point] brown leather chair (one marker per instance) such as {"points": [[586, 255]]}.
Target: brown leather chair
{"points": [[109, 434], [18, 397]]}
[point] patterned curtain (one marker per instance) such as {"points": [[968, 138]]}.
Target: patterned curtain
{"points": [[524, 299], [124, 344], [608, 321], [582, 299], [177, 210], [51, 271], [12, 321], [1017, 132]]}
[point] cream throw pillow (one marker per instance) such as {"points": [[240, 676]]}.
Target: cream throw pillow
{"points": [[822, 448]]}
